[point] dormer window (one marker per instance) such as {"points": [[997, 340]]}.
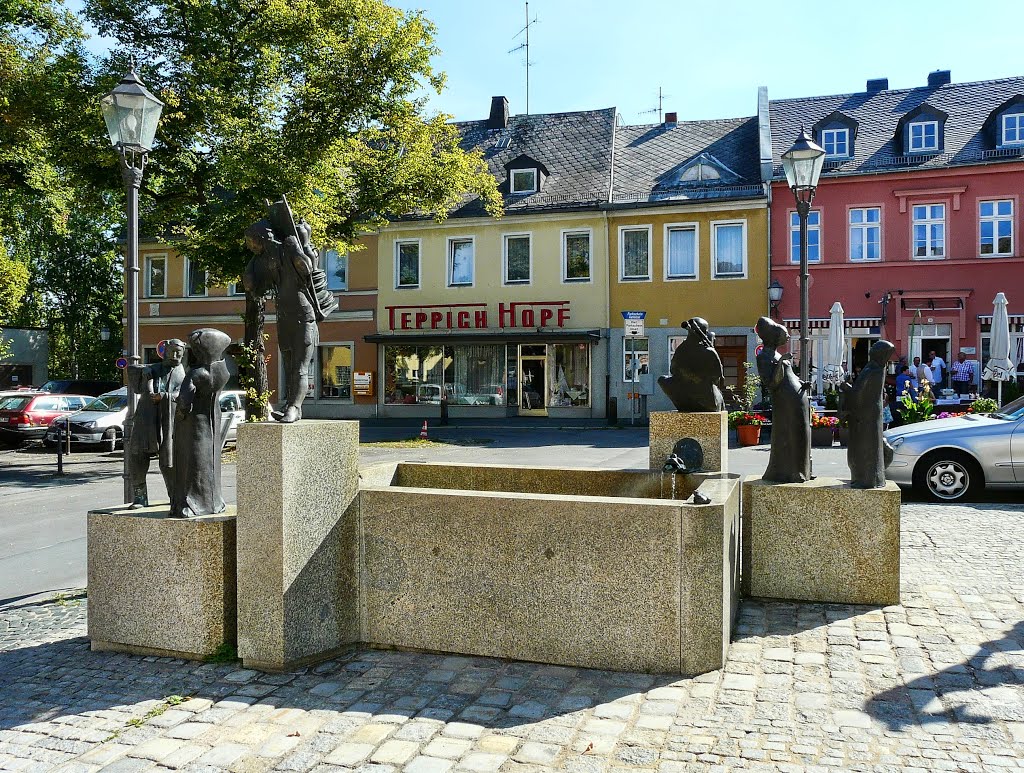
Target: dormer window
{"points": [[699, 172], [923, 136], [836, 143], [703, 168], [1013, 129], [524, 181]]}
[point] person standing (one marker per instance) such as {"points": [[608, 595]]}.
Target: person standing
{"points": [[938, 369], [922, 373], [962, 375]]}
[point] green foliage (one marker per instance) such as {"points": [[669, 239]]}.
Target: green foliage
{"points": [[746, 395], [257, 401], [225, 653], [746, 418], [921, 409], [984, 405], [13, 283], [831, 400]]}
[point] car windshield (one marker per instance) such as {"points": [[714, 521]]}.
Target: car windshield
{"points": [[53, 386], [14, 403], [108, 403], [1014, 410]]}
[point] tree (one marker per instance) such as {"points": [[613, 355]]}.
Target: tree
{"points": [[317, 99]]}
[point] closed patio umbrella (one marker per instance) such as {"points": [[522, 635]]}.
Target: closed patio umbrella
{"points": [[999, 368], [833, 373]]}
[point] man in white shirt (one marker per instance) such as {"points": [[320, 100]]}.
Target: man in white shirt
{"points": [[920, 373], [938, 369]]}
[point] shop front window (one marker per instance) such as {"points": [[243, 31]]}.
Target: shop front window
{"points": [[336, 371], [569, 372], [473, 375], [466, 375]]}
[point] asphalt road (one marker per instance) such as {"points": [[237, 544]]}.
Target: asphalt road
{"points": [[42, 515]]}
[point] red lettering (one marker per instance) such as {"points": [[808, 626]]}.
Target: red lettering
{"points": [[448, 317], [505, 313], [406, 320], [463, 318], [563, 316], [480, 318], [545, 316], [421, 317], [527, 318], [435, 317], [391, 317]]}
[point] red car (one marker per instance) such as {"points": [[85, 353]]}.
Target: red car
{"points": [[27, 416]]}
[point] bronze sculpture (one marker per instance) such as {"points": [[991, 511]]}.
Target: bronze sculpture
{"points": [[862, 404], [152, 430], [696, 379], [198, 428], [791, 428], [286, 262]]}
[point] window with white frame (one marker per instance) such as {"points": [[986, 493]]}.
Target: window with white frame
{"points": [[996, 227], [635, 253], [236, 288], [681, 252], [460, 261], [335, 266], [1013, 129], [576, 256], [923, 135], [836, 142], [866, 233], [407, 263], [813, 237], [700, 172], [929, 231], [524, 180], [195, 279], [516, 258], [636, 358], [729, 243], [156, 276]]}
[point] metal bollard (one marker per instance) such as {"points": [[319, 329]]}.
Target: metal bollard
{"points": [[60, 451], [444, 410]]}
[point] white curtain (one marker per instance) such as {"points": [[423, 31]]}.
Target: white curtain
{"points": [[729, 249], [681, 257], [462, 262]]}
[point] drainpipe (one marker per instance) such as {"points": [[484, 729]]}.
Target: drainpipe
{"points": [[607, 307]]}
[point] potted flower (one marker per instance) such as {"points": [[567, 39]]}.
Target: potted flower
{"points": [[843, 432], [983, 405], [822, 429], [748, 426]]}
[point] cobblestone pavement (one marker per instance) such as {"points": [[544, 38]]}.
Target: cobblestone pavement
{"points": [[934, 684]]}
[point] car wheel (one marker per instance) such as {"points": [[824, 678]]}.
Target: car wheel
{"points": [[948, 476], [110, 440]]}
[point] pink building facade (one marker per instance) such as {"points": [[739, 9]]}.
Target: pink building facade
{"points": [[915, 244]]}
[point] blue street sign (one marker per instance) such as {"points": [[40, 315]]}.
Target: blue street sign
{"points": [[121, 362], [161, 348], [634, 314]]}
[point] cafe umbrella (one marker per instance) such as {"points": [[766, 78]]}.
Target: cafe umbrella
{"points": [[999, 368]]}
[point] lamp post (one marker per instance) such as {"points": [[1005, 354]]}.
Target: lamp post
{"points": [[131, 113], [105, 334], [802, 164], [774, 296]]}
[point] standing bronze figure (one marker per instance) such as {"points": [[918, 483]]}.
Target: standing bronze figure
{"points": [[697, 378], [862, 404], [198, 428], [286, 262], [791, 430], [152, 430]]}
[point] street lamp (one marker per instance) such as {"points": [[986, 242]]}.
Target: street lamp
{"points": [[774, 296], [131, 113], [802, 164], [105, 334]]}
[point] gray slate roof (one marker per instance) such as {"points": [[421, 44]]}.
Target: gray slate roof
{"points": [[877, 114], [574, 147], [648, 160]]}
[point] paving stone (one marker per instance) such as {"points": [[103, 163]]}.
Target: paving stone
{"points": [[424, 764]]}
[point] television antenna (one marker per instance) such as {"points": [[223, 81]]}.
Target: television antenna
{"points": [[526, 45], [661, 100]]}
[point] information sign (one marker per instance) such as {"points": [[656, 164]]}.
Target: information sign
{"points": [[362, 383], [633, 321]]}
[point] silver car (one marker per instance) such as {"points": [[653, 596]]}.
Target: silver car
{"points": [[951, 459], [101, 420]]}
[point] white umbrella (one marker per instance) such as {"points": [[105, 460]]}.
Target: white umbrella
{"points": [[999, 368], [833, 372]]}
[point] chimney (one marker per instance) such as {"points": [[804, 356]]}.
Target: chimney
{"points": [[877, 84], [670, 120], [498, 119], [938, 78]]}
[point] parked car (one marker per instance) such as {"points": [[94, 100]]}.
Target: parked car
{"points": [[101, 420], [952, 459], [74, 386], [27, 416], [233, 401]]}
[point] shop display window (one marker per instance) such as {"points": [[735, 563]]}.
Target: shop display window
{"points": [[569, 369]]}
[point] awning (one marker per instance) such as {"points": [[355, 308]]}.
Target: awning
{"points": [[822, 323], [1015, 319], [489, 337]]}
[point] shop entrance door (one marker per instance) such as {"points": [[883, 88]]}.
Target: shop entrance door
{"points": [[533, 362]]}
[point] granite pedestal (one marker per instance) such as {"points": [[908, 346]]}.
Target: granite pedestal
{"points": [[297, 544], [821, 541], [709, 429], [158, 585]]}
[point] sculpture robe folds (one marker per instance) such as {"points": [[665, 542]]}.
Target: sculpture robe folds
{"points": [[197, 428], [697, 379], [862, 404], [791, 430]]}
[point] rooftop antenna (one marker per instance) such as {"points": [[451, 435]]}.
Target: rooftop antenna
{"points": [[661, 99], [529, 23]]}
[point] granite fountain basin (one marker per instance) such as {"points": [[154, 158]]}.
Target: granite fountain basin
{"points": [[592, 568]]}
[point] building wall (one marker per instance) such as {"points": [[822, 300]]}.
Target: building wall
{"points": [[26, 364], [909, 283]]}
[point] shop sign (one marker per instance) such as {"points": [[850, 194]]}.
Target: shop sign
{"points": [[362, 383], [476, 316]]}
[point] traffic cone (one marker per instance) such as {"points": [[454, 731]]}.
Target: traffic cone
{"points": [[423, 432]]}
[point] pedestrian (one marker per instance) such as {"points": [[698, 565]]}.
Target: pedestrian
{"points": [[962, 375], [938, 370], [905, 384], [922, 373]]}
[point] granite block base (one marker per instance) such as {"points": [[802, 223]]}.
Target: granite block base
{"points": [[711, 430], [821, 541], [297, 543], [158, 585]]}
